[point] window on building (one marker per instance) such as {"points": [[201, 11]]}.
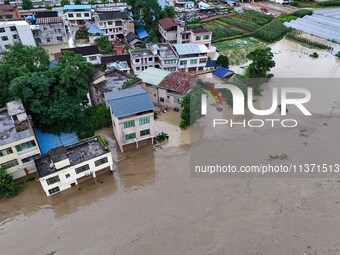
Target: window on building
{"points": [[53, 180], [145, 132], [150, 59], [137, 68], [130, 123], [130, 136], [48, 39], [183, 62], [193, 61], [78, 15], [93, 58], [13, 28], [198, 38], [203, 60], [101, 24], [54, 190], [2, 30], [87, 14], [109, 23], [70, 15], [67, 176], [59, 30], [4, 38], [161, 99], [206, 37], [9, 164], [81, 169], [177, 99], [144, 120], [100, 161], [28, 159], [15, 36], [5, 152], [7, 46], [25, 146], [119, 23], [137, 60], [59, 38]]}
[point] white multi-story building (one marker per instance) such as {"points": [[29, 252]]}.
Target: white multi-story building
{"points": [[64, 167], [142, 59], [78, 14], [167, 58], [90, 53], [132, 116], [18, 143], [192, 57], [15, 31], [115, 24]]}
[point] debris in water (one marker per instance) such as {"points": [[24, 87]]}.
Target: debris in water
{"points": [[280, 156]]}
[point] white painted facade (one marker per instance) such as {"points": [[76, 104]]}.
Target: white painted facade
{"points": [[68, 176], [120, 132], [78, 17], [93, 59], [15, 31]]}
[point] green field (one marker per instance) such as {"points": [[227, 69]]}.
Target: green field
{"points": [[238, 49]]}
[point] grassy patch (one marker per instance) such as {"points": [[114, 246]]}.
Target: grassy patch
{"points": [[286, 17], [297, 37], [237, 50], [331, 3]]}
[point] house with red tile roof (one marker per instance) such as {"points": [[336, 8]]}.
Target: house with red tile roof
{"points": [[173, 87]]}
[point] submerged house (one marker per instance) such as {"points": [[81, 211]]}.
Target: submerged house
{"points": [[132, 116], [64, 167]]}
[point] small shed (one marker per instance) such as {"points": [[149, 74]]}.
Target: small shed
{"points": [[141, 33], [222, 72]]}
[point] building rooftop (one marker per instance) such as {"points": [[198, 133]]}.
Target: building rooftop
{"points": [[178, 82], [49, 20], [153, 76], [190, 48], [121, 65], [111, 80], [141, 33], [77, 7], [198, 30], [131, 36], [167, 23], [48, 141], [6, 7], [84, 51], [164, 50], [141, 53], [46, 14], [12, 131], [111, 15], [14, 22], [77, 153], [129, 101], [111, 59]]}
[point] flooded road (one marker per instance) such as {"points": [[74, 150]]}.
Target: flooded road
{"points": [[151, 205]]}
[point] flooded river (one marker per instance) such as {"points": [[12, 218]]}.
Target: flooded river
{"points": [[151, 205]]}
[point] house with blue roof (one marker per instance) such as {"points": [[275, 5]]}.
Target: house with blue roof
{"points": [[132, 116], [78, 14]]}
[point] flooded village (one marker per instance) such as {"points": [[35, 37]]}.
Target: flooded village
{"points": [[144, 199]]}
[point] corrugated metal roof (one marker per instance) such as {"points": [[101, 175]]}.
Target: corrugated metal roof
{"points": [[77, 7], [190, 48], [141, 33], [94, 29], [167, 23], [221, 72], [49, 20], [129, 101], [153, 76]]}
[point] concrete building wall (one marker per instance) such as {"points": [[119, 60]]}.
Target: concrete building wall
{"points": [[120, 131], [169, 99], [66, 182], [49, 34], [195, 63], [18, 170]]}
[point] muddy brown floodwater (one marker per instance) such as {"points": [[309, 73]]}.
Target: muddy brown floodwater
{"points": [[151, 205]]}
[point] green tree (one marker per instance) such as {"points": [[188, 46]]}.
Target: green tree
{"points": [[262, 62], [20, 60], [27, 4], [77, 2], [31, 58], [104, 45], [153, 36], [92, 2], [64, 2], [168, 12], [7, 1], [222, 61], [148, 11], [8, 188], [48, 7]]}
